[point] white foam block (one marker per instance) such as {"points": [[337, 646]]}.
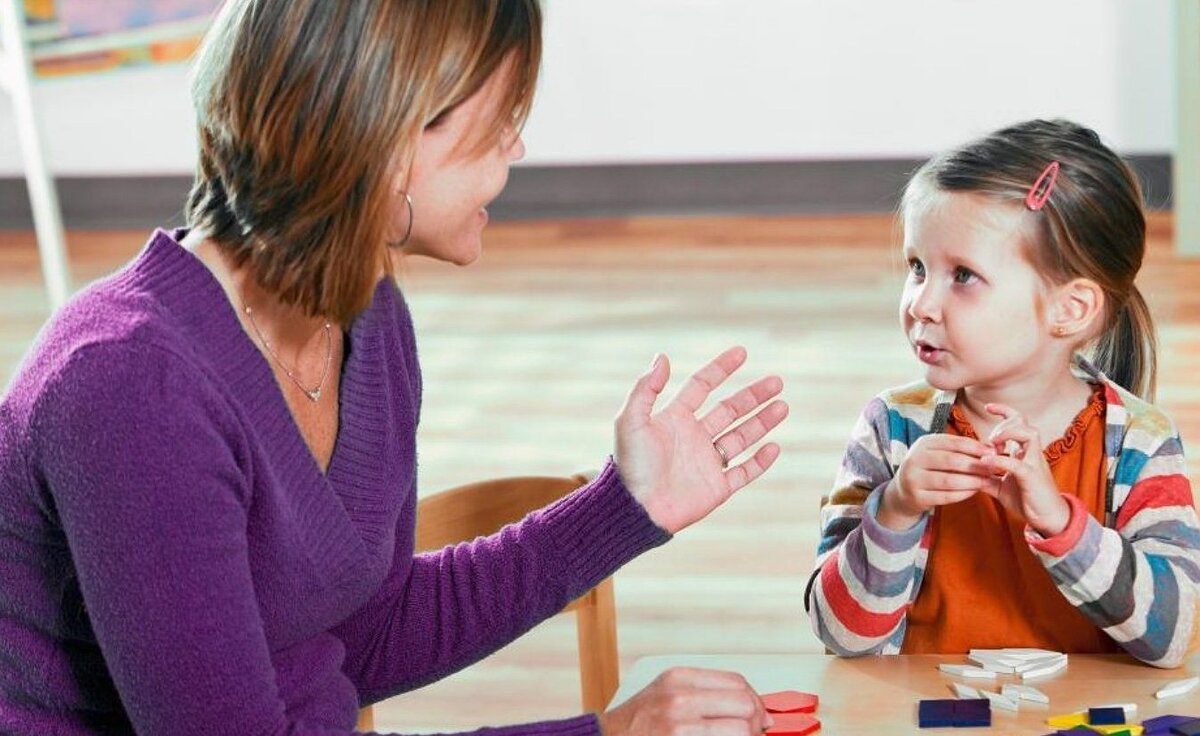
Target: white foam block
{"points": [[1025, 692], [964, 691], [1018, 652], [1032, 653], [1046, 671], [1179, 687], [1040, 663], [966, 670], [991, 663], [1002, 702]]}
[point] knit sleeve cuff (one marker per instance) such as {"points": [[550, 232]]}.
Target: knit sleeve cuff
{"points": [[585, 725], [599, 528], [1063, 542], [886, 539]]}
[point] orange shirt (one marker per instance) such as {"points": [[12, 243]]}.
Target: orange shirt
{"points": [[983, 587]]}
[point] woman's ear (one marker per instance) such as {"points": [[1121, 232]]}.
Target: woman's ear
{"points": [[1078, 309]]}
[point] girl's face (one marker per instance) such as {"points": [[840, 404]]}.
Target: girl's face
{"points": [[450, 186], [973, 306]]}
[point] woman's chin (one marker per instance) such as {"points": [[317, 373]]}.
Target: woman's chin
{"points": [[461, 253]]}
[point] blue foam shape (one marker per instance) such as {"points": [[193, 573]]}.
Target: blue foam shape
{"points": [[974, 719], [1161, 725], [972, 705], [1187, 728], [1106, 716], [935, 713]]}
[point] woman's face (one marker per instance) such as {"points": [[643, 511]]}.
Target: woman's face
{"points": [[450, 185]]}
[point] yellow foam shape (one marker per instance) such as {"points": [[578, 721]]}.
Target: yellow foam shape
{"points": [[1068, 720], [1118, 728]]}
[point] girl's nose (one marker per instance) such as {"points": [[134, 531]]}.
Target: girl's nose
{"points": [[925, 305]]}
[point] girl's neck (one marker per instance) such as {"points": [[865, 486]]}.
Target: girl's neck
{"points": [[1049, 405]]}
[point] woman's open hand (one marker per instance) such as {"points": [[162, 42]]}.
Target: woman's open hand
{"points": [[679, 466]]}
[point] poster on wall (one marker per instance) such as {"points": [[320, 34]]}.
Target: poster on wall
{"points": [[80, 36]]}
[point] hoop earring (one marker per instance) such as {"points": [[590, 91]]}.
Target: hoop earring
{"points": [[412, 215]]}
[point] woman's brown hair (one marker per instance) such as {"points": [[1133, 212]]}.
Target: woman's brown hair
{"points": [[308, 108], [1092, 225]]}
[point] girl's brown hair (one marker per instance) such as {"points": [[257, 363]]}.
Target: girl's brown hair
{"points": [[307, 109], [1091, 226]]}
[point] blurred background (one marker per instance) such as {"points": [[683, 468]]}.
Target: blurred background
{"points": [[700, 173]]}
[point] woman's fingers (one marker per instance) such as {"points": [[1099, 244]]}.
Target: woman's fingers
{"points": [[721, 699], [735, 441], [699, 385], [743, 474], [744, 402], [639, 403], [690, 701], [704, 677]]}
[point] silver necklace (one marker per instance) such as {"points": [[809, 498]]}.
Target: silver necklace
{"points": [[312, 393]]}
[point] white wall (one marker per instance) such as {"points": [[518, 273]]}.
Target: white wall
{"points": [[711, 80]]}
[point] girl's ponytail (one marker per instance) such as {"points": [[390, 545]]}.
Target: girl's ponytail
{"points": [[1127, 351]]}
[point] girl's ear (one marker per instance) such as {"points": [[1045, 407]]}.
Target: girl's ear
{"points": [[1078, 308]]}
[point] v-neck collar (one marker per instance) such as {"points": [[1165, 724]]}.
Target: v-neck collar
{"points": [[356, 476]]}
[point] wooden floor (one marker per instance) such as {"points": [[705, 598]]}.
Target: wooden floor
{"points": [[528, 354]]}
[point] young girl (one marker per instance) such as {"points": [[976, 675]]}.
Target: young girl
{"points": [[1020, 495]]}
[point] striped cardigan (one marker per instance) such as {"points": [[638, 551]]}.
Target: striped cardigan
{"points": [[1137, 576]]}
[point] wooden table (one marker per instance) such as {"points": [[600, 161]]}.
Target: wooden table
{"points": [[867, 694]]}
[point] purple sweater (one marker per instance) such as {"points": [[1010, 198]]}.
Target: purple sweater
{"points": [[173, 560]]}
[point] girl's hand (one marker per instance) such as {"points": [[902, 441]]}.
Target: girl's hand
{"points": [[939, 469], [1021, 480], [669, 460], [690, 701]]}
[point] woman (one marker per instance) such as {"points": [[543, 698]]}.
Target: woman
{"points": [[208, 459]]}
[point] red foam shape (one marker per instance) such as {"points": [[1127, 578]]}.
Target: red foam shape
{"points": [[790, 701], [793, 724]]}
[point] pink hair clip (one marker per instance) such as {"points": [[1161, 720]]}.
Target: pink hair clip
{"points": [[1040, 191]]}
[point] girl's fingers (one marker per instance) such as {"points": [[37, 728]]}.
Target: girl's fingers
{"points": [[1006, 465], [953, 443], [948, 497], [952, 481], [1001, 410], [955, 462], [1017, 440]]}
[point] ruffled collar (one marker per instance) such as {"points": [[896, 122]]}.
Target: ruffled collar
{"points": [[1059, 447]]}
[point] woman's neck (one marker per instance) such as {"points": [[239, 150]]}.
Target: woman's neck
{"points": [[287, 327]]}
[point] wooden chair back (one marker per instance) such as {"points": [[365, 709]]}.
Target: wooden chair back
{"points": [[479, 509]]}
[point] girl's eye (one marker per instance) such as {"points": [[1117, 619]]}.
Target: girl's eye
{"points": [[916, 268], [963, 275]]}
